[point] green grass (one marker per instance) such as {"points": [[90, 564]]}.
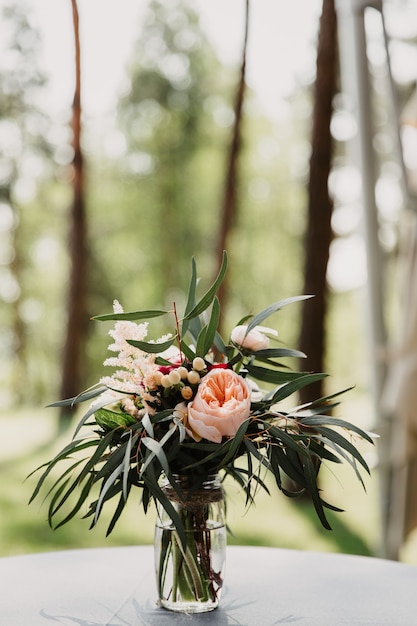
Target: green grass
{"points": [[25, 443]]}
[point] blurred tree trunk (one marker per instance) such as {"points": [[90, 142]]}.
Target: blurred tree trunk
{"points": [[77, 295], [230, 204], [318, 235]]}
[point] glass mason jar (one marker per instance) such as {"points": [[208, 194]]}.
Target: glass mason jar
{"points": [[190, 577]]}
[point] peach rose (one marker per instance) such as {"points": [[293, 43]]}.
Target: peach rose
{"points": [[253, 340], [221, 404]]}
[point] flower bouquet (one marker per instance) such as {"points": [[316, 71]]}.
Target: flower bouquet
{"points": [[179, 414]]}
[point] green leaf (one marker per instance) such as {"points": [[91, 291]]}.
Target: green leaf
{"points": [[291, 466], [105, 488], [321, 452], [341, 441], [290, 440], [93, 408], [268, 375], [219, 343], [147, 425], [118, 511], [109, 420], [325, 420], [347, 457], [293, 386], [61, 478], [151, 482], [208, 297], [132, 316], [253, 450], [114, 459], [272, 353], [152, 347], [83, 496], [156, 449], [187, 351], [236, 442], [93, 392], [103, 445], [260, 317], [191, 296], [72, 448], [311, 485], [206, 337], [126, 464]]}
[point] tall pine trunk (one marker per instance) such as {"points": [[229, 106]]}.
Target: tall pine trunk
{"points": [[230, 203], [318, 235], [74, 348]]}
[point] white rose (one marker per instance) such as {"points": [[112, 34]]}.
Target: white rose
{"points": [[253, 340]]}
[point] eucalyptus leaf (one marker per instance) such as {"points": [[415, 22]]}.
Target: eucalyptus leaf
{"points": [[273, 308], [133, 316], [208, 297], [311, 485], [208, 333], [89, 394], [119, 509], [85, 492], [191, 296], [295, 385], [147, 425], [152, 347], [272, 376], [337, 438], [271, 353], [126, 464], [109, 483], [325, 420]]}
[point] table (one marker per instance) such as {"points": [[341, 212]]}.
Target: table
{"points": [[264, 587]]}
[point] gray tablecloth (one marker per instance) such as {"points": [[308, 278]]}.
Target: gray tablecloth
{"points": [[264, 587]]}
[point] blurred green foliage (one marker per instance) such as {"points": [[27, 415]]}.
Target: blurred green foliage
{"points": [[154, 189]]}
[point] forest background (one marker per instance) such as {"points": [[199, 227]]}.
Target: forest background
{"points": [[185, 136]]}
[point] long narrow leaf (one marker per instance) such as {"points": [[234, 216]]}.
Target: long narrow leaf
{"points": [[187, 351], [133, 316], [204, 346], [61, 478], [156, 449], [272, 353], [72, 447], [235, 442], [83, 496], [126, 465], [159, 495], [348, 458], [288, 440], [303, 381], [93, 408], [325, 420], [208, 297], [109, 483], [272, 376], [191, 295], [291, 466], [311, 482], [152, 347], [89, 394], [260, 317], [119, 509], [97, 456], [147, 424], [341, 441]]}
